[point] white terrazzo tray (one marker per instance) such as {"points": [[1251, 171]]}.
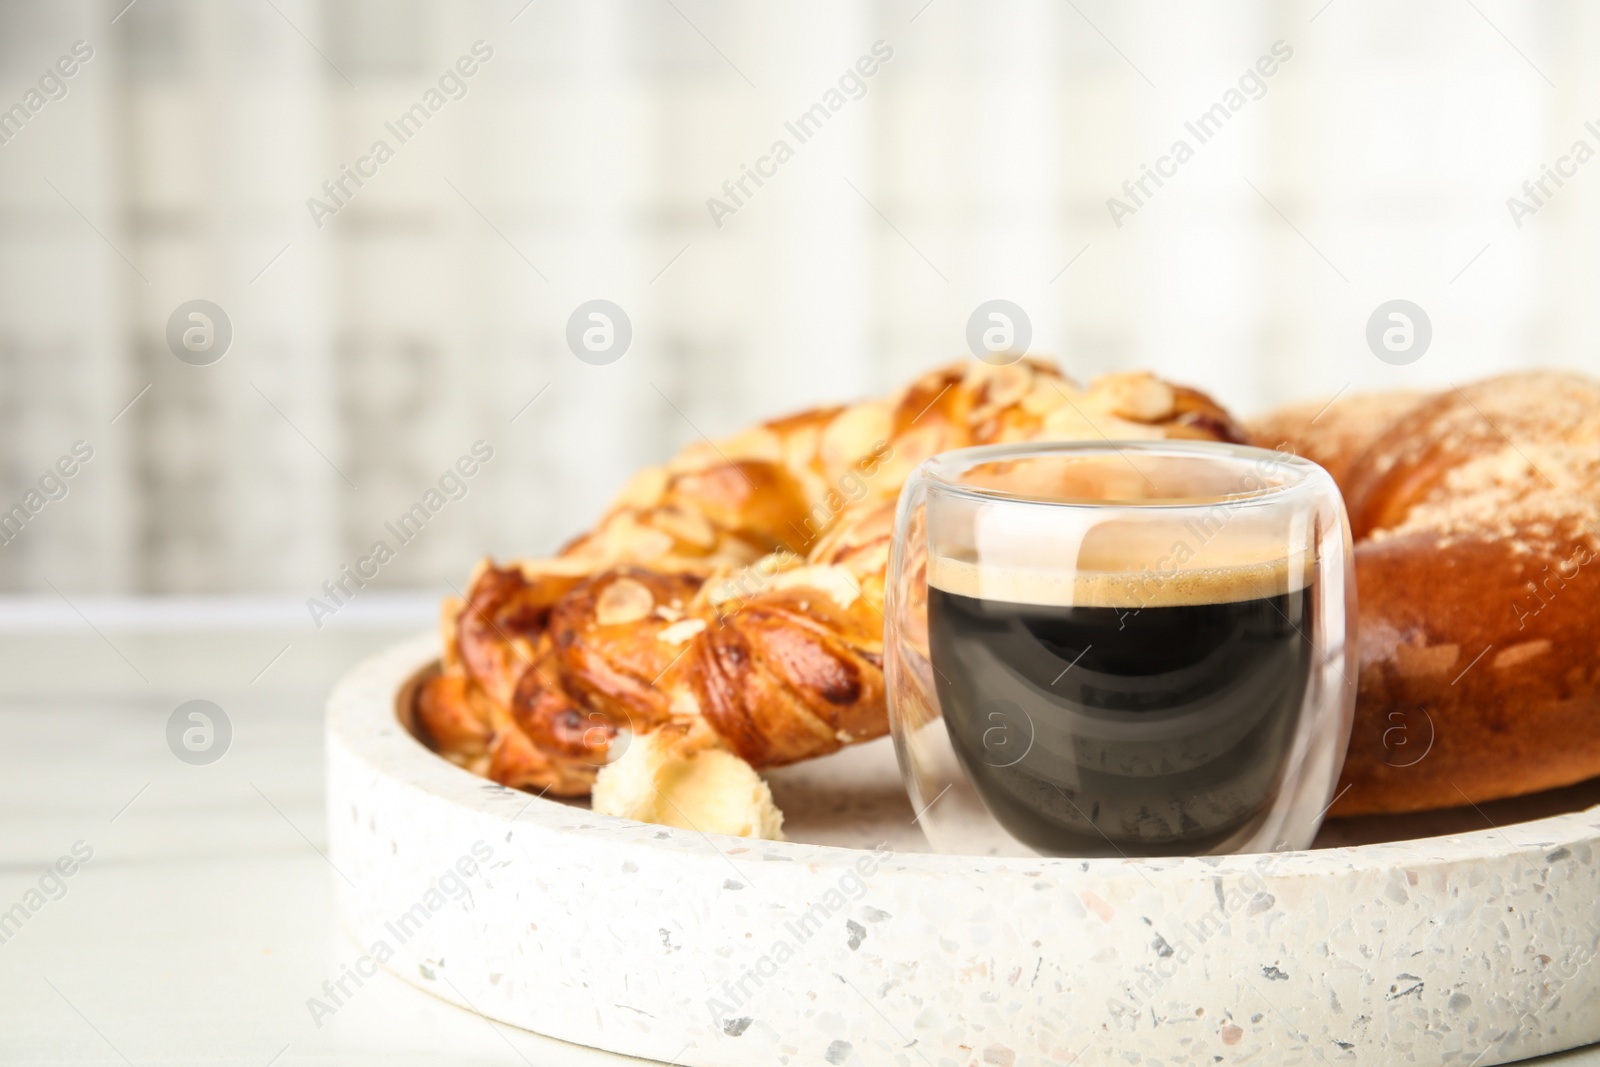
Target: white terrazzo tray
{"points": [[1469, 949]]}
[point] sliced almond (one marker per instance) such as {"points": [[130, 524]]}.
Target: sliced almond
{"points": [[869, 560], [1520, 653], [746, 582], [1077, 424], [1141, 397], [1046, 395], [1007, 386], [643, 489], [696, 456], [800, 447], [834, 582], [623, 601], [1425, 661], [1069, 423], [758, 443], [629, 540], [853, 434], [687, 526], [681, 631]]}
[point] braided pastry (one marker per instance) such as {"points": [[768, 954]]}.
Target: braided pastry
{"points": [[730, 602], [1476, 517]]}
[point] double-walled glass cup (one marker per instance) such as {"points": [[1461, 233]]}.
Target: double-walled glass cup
{"points": [[1120, 649]]}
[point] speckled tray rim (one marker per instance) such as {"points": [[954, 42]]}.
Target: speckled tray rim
{"points": [[362, 725], [349, 719]]}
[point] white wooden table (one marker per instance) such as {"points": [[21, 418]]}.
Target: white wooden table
{"points": [[202, 924]]}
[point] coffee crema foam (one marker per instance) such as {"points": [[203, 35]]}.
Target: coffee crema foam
{"points": [[1216, 575]]}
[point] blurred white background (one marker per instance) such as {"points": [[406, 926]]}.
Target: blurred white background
{"points": [[371, 352]]}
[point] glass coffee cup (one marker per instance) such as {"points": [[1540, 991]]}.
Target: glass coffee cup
{"points": [[1120, 649]]}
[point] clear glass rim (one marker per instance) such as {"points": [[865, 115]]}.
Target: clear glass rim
{"points": [[1297, 475]]}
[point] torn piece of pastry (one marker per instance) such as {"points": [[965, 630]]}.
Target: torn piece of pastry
{"points": [[673, 778]]}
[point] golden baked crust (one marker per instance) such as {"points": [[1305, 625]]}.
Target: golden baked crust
{"points": [[1334, 433], [1475, 514], [739, 588]]}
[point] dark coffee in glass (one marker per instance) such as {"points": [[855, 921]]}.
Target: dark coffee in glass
{"points": [[1155, 722], [1120, 648]]}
